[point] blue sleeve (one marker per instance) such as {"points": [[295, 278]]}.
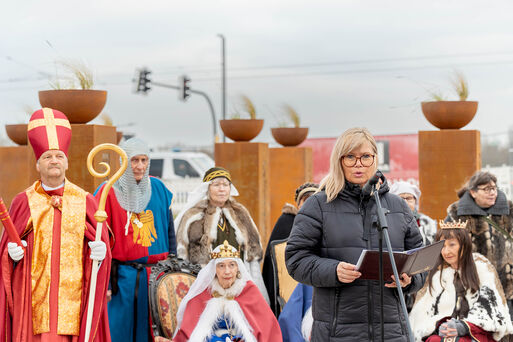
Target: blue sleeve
{"points": [[292, 316], [98, 188]]}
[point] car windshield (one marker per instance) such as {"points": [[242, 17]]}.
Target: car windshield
{"points": [[203, 162]]}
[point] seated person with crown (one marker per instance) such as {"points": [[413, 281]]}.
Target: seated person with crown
{"points": [[462, 299], [210, 216], [224, 304]]}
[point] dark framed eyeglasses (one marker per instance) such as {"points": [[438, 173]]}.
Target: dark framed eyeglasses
{"points": [[489, 189], [365, 159]]}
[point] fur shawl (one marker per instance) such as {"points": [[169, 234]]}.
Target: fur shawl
{"points": [[198, 229], [289, 209], [488, 307], [485, 239]]}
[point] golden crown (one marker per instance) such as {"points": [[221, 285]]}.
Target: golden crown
{"points": [[225, 251], [453, 225]]}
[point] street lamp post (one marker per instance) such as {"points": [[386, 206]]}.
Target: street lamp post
{"points": [[223, 78]]}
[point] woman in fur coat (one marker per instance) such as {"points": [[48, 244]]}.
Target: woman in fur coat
{"points": [[211, 216], [490, 222], [462, 300]]}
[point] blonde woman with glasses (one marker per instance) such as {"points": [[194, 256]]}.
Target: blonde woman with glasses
{"points": [[490, 222], [329, 233]]}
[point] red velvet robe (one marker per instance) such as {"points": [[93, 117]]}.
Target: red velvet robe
{"points": [[257, 312], [478, 334], [15, 285]]}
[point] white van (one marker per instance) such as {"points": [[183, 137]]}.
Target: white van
{"points": [[181, 172]]}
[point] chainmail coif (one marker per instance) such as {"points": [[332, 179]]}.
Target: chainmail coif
{"points": [[133, 196]]}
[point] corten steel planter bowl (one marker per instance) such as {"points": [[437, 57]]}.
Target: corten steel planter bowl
{"points": [[17, 133], [289, 136], [79, 105], [449, 114], [119, 136], [241, 129]]}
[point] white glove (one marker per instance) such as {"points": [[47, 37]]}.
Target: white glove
{"points": [[15, 251], [98, 250]]}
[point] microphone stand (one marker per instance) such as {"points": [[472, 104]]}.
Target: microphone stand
{"points": [[383, 232]]}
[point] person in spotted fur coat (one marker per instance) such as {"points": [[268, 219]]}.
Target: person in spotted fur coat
{"points": [[489, 216]]}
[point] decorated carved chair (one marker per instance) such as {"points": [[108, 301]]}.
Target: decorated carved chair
{"points": [[169, 282], [284, 284]]}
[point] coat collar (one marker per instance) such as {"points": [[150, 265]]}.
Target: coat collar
{"points": [[467, 206], [355, 190]]}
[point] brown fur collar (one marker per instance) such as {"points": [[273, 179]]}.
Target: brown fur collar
{"points": [[289, 209], [491, 243], [198, 228]]}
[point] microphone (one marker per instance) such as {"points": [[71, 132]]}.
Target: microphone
{"points": [[369, 186]]}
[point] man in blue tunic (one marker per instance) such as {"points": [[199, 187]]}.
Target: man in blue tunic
{"points": [[139, 214]]}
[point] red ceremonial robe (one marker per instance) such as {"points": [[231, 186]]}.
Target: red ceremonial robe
{"points": [[15, 284], [257, 312], [477, 334]]}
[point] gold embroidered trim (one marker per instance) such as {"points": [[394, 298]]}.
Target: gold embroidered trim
{"points": [[70, 268], [144, 228], [216, 174], [223, 226], [216, 294], [51, 123]]}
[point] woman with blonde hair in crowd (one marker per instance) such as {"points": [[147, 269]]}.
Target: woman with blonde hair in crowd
{"points": [[329, 233]]}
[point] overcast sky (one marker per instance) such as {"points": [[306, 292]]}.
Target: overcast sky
{"points": [[338, 63]]}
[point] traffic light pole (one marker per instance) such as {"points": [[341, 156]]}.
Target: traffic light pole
{"points": [[212, 112]]}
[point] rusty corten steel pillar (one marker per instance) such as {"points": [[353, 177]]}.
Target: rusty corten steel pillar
{"points": [[447, 159], [248, 164], [290, 167]]}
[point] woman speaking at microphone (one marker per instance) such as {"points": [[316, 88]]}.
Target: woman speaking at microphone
{"points": [[329, 233]]}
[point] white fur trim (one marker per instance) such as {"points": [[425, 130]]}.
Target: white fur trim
{"points": [[431, 307], [213, 228], [216, 308], [306, 324], [183, 232], [238, 233]]}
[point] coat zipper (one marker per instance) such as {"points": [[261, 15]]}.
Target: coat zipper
{"points": [[335, 311], [370, 300]]}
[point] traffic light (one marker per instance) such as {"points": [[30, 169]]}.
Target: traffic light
{"points": [[143, 81], [184, 91]]}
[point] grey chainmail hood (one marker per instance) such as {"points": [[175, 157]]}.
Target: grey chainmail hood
{"points": [[133, 196]]}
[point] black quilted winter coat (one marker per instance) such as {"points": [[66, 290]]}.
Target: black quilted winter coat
{"points": [[325, 234]]}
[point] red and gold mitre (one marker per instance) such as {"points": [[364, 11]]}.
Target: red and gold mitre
{"points": [[49, 129]]}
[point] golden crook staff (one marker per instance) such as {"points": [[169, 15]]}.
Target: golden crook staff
{"points": [[101, 215]]}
